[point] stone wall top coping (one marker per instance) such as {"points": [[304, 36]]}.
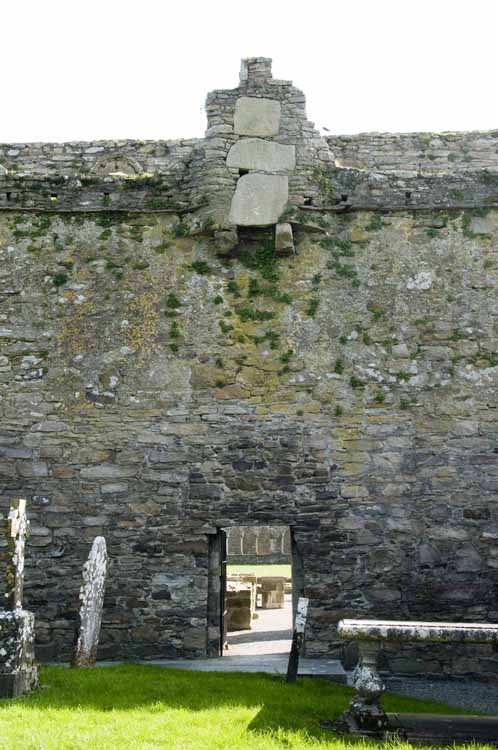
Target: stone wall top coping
{"points": [[400, 630]]}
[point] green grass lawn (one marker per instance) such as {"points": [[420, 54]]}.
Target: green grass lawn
{"points": [[135, 707], [261, 570]]}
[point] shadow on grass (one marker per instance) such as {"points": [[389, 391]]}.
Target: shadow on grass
{"points": [[293, 708]]}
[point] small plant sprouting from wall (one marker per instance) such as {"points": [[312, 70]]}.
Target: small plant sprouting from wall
{"points": [[286, 356], [355, 382], [273, 337], [233, 288], [264, 260], [174, 335], [375, 224], [249, 313], [378, 312], [172, 304], [380, 396], [325, 184], [272, 291], [181, 229], [115, 268], [313, 306], [457, 335], [59, 279], [200, 267], [340, 248]]}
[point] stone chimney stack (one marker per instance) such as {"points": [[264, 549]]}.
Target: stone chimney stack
{"points": [[255, 70]]}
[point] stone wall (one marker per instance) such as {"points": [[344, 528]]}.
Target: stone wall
{"points": [[144, 400], [157, 385], [431, 153], [257, 545], [97, 158]]}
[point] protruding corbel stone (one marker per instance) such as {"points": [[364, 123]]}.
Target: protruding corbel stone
{"points": [[284, 241], [225, 240]]}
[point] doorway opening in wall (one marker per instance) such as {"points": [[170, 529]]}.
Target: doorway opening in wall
{"points": [[255, 578], [258, 608]]}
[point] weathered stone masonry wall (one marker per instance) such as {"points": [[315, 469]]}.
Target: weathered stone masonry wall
{"points": [[363, 414], [158, 381], [430, 153]]}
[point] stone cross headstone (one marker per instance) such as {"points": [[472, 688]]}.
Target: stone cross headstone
{"points": [[92, 601], [18, 671], [17, 529]]}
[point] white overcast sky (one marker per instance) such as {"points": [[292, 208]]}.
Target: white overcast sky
{"points": [[74, 70]]}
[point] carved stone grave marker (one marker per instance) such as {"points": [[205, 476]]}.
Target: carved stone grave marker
{"points": [[17, 529], [92, 601], [297, 639], [18, 673]]}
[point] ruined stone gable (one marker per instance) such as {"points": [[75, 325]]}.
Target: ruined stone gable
{"points": [[165, 373]]}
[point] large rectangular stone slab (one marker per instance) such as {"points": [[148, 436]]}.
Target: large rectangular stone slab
{"points": [[259, 200], [262, 156], [256, 116]]}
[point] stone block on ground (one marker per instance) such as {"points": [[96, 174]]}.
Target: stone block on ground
{"points": [[238, 606], [272, 591], [18, 672], [251, 580]]}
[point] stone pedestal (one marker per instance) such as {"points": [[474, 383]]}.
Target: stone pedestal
{"points": [[238, 605], [251, 580], [271, 589], [18, 673]]}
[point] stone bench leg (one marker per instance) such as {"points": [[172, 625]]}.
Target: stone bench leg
{"points": [[365, 707]]}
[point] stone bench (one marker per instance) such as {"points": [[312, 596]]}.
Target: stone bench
{"points": [[365, 711]]}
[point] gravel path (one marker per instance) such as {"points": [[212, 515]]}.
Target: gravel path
{"points": [[473, 696]]}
